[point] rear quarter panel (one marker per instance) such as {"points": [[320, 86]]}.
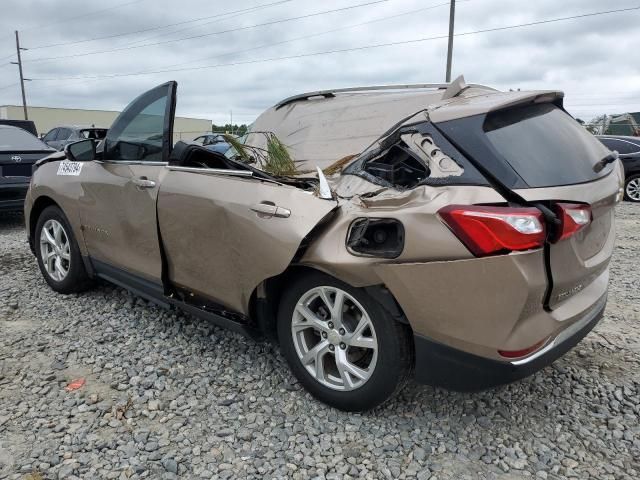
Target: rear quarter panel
{"points": [[427, 239]]}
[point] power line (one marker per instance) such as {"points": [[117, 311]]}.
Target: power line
{"points": [[191, 27], [48, 24], [217, 15], [273, 22], [600, 95], [9, 86], [584, 105], [312, 35], [86, 14], [343, 50]]}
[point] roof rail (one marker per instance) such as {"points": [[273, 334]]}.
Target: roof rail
{"points": [[332, 93]]}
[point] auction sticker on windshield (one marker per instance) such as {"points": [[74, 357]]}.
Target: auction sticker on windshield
{"points": [[69, 168]]}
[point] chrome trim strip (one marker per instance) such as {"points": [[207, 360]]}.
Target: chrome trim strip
{"points": [[565, 334], [324, 188], [539, 353], [212, 171], [133, 162]]}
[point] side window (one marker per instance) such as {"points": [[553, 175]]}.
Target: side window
{"points": [[623, 147], [142, 132], [51, 135], [63, 134], [628, 147]]}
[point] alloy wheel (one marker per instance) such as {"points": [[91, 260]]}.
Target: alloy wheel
{"points": [[334, 338], [55, 250], [633, 189]]}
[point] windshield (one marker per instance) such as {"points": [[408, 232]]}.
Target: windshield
{"points": [[231, 152], [544, 145], [15, 139]]}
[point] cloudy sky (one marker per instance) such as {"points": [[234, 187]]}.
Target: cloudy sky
{"points": [[248, 54]]}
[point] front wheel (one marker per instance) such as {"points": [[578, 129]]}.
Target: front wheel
{"points": [[632, 188], [58, 255], [341, 344]]}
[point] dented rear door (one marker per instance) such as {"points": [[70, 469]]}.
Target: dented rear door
{"points": [[225, 233]]}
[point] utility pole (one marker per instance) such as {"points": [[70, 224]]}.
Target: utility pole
{"points": [[231, 113], [452, 16], [22, 79]]}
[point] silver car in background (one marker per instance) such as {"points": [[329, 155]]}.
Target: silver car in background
{"points": [[61, 136]]}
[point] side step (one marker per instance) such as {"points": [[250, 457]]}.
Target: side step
{"points": [[155, 293]]}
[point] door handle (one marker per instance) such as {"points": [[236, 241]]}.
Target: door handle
{"points": [[142, 183], [268, 210]]}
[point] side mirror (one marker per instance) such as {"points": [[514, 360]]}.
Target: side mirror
{"points": [[82, 151]]}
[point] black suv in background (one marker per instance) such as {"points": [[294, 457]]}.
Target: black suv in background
{"points": [[629, 150], [27, 125]]}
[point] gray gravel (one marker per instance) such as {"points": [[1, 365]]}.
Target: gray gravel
{"points": [[168, 396]]}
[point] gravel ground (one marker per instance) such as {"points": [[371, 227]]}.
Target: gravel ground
{"points": [[168, 396]]}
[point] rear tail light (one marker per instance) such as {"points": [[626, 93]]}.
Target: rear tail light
{"points": [[493, 230], [573, 218]]}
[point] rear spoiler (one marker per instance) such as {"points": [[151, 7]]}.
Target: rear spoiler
{"points": [[477, 103]]}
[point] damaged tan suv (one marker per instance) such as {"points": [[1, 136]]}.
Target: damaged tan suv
{"points": [[451, 232]]}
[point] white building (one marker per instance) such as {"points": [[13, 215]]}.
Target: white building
{"points": [[47, 118]]}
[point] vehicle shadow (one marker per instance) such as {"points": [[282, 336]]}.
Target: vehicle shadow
{"points": [[11, 220]]}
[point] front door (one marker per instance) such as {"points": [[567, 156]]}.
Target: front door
{"points": [[118, 207]]}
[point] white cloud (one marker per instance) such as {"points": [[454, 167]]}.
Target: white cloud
{"points": [[589, 58]]}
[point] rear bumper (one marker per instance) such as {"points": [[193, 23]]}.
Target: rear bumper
{"points": [[441, 365], [12, 196]]}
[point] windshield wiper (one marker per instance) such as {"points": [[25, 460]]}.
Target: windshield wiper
{"points": [[612, 157]]}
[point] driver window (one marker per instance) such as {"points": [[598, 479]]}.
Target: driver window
{"points": [[51, 135], [137, 134]]}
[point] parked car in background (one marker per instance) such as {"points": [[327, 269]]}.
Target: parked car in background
{"points": [[214, 142], [60, 136], [451, 232], [628, 149], [19, 150], [27, 125]]}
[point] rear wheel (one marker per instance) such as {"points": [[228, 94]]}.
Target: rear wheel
{"points": [[58, 254], [632, 188], [341, 345]]}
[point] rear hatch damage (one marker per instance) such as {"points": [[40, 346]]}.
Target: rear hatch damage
{"points": [[521, 144]]}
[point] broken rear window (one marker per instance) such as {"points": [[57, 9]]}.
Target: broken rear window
{"points": [[415, 155]]}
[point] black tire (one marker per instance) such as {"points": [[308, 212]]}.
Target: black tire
{"points": [[395, 356], [76, 279], [636, 179]]}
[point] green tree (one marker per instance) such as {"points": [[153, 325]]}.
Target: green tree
{"points": [[228, 128]]}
